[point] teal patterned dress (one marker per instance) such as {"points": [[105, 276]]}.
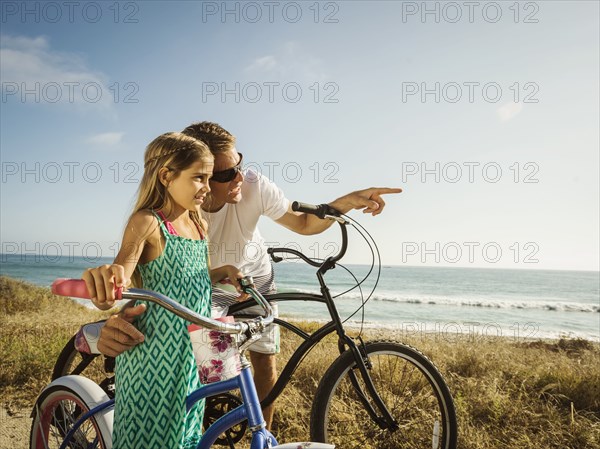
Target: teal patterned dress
{"points": [[154, 378]]}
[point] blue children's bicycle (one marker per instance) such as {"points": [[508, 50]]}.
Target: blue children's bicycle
{"points": [[74, 412]]}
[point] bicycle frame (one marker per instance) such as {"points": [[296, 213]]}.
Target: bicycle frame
{"points": [[310, 341], [385, 419], [250, 409]]}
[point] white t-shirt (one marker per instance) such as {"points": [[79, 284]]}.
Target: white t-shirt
{"points": [[233, 235]]}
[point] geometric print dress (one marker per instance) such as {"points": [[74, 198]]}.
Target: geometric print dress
{"points": [[154, 377]]}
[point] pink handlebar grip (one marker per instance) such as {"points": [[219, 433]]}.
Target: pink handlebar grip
{"points": [[76, 288]]}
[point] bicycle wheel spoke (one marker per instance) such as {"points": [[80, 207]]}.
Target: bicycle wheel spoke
{"points": [[347, 413]]}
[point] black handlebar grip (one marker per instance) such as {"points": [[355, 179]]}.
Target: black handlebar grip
{"points": [[320, 211], [297, 206]]}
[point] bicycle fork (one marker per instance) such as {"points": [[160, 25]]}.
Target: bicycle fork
{"points": [[384, 419]]}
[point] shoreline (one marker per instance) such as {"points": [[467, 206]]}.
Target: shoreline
{"points": [[453, 330], [52, 258]]}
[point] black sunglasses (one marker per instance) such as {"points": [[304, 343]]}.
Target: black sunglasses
{"points": [[229, 174]]}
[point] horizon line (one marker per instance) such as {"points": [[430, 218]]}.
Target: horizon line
{"points": [[383, 265]]}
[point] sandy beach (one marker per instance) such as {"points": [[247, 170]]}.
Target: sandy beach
{"points": [[14, 427]]}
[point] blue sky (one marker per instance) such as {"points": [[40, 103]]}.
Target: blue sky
{"points": [[498, 158]]}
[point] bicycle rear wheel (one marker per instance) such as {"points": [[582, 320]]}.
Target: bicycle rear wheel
{"points": [[60, 406], [408, 383]]}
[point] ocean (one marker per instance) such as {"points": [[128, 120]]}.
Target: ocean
{"points": [[518, 304]]}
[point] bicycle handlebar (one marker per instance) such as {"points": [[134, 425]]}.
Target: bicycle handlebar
{"points": [[320, 211], [323, 211], [77, 288], [272, 251]]}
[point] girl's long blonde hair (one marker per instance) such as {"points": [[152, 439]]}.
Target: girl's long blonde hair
{"points": [[177, 152]]}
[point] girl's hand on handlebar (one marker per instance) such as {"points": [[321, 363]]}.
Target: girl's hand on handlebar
{"points": [[102, 282]]}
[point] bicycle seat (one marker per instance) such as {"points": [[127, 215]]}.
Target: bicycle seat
{"points": [[86, 340]]}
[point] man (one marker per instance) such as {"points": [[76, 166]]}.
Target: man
{"points": [[237, 200]]}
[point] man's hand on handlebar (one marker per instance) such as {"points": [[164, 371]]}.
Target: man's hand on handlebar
{"points": [[118, 334], [228, 274]]}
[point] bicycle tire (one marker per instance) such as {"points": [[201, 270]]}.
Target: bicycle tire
{"points": [[60, 405], [412, 389]]}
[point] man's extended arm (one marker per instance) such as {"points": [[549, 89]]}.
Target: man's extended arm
{"points": [[369, 200]]}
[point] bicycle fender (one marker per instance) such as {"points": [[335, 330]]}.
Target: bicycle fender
{"points": [[91, 393]]}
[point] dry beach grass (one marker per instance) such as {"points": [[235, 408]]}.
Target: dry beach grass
{"points": [[509, 393]]}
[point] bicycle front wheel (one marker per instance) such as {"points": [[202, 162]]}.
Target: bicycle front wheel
{"points": [[412, 389], [60, 406]]}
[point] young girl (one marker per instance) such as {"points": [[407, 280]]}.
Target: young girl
{"points": [[164, 249]]}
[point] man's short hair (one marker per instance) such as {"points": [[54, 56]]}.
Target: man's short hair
{"points": [[218, 139]]}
